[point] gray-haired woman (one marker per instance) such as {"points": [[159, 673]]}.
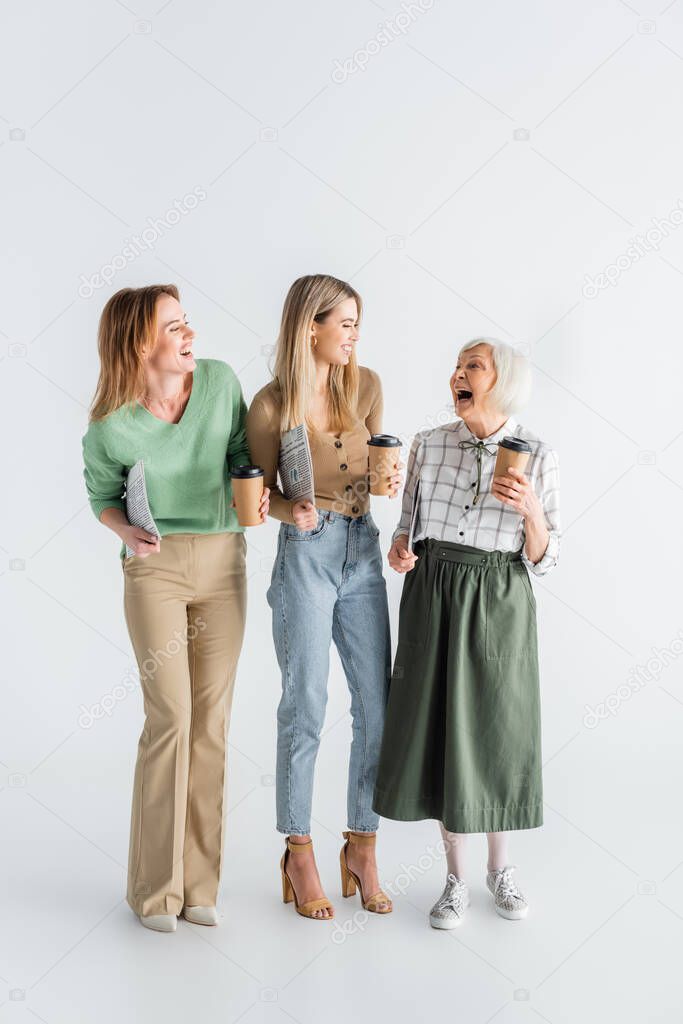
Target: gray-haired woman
{"points": [[462, 739]]}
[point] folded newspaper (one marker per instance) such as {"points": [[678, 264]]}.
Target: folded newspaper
{"points": [[296, 466], [138, 511]]}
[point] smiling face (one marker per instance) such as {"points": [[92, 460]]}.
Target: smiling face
{"points": [[337, 335], [172, 352], [471, 382]]}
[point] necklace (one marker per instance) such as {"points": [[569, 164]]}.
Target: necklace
{"points": [[166, 402], [173, 408]]}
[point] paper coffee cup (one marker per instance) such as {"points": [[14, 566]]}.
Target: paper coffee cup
{"points": [[247, 488], [383, 458], [512, 451]]}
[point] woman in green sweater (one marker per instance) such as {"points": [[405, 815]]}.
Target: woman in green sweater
{"points": [[184, 589]]}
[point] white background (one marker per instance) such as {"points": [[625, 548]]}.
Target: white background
{"points": [[486, 160]]}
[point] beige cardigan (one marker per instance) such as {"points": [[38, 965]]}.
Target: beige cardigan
{"points": [[340, 461]]}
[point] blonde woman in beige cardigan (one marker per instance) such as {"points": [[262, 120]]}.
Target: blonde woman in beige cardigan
{"points": [[327, 583]]}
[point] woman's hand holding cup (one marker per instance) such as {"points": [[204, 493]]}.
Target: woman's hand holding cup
{"points": [[264, 504], [510, 485], [396, 480], [384, 463], [305, 515], [401, 559], [515, 490]]}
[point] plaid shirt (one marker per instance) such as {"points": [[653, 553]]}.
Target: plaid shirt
{"points": [[448, 480]]}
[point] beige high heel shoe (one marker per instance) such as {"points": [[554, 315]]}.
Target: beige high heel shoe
{"points": [[288, 894], [350, 880]]}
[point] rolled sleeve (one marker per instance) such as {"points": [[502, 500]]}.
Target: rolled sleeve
{"points": [[548, 489]]}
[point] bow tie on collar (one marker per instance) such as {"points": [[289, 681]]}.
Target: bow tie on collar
{"points": [[479, 447]]}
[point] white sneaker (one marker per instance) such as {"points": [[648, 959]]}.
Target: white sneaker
{"points": [[201, 915], [508, 898], [449, 909], [160, 922]]}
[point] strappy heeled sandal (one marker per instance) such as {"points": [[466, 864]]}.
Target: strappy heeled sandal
{"points": [[305, 909], [350, 880]]}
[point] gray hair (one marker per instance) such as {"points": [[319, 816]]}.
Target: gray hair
{"points": [[513, 374]]}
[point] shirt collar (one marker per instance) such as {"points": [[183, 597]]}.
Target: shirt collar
{"points": [[508, 428]]}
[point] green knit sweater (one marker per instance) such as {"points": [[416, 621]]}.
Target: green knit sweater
{"points": [[186, 463]]}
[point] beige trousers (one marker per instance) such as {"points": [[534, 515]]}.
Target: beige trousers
{"points": [[185, 610]]}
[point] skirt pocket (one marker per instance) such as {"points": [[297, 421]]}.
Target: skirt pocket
{"points": [[528, 588], [510, 615], [416, 605]]}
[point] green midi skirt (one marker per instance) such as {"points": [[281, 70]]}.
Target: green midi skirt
{"points": [[462, 737]]}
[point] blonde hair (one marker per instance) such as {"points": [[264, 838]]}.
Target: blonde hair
{"points": [[127, 329], [513, 374], [310, 299]]}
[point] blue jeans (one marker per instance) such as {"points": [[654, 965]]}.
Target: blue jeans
{"points": [[327, 584]]}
